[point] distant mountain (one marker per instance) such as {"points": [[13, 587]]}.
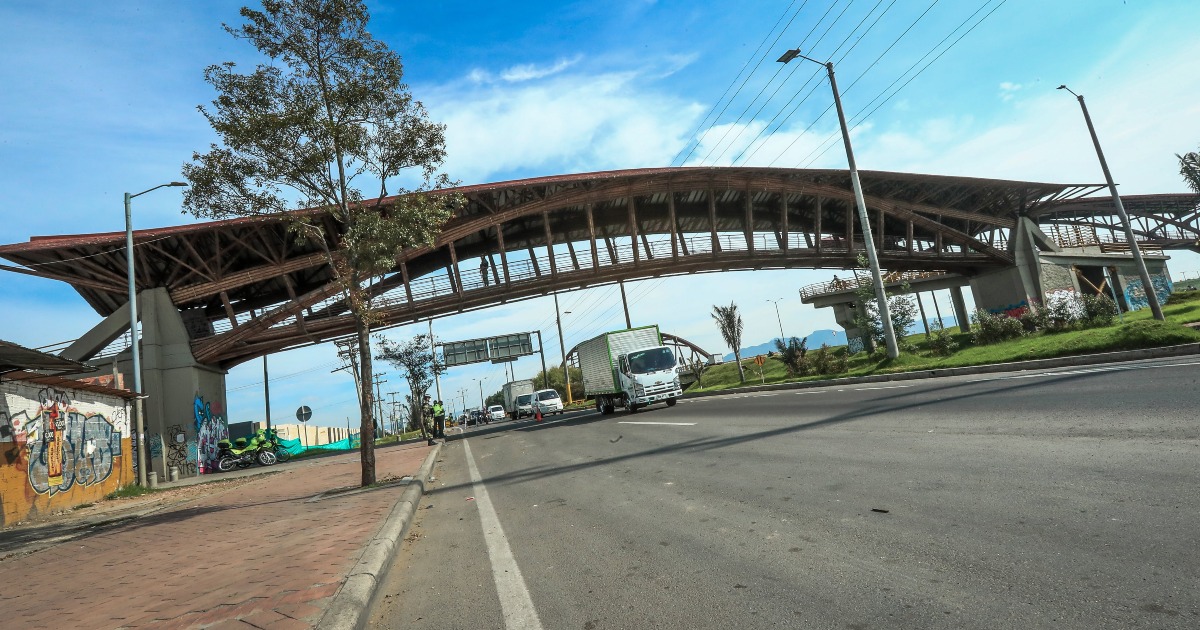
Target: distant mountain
{"points": [[815, 339], [831, 337]]}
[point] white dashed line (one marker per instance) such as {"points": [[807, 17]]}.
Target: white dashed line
{"points": [[670, 424], [515, 602]]}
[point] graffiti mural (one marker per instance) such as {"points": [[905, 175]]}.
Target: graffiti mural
{"points": [[211, 428], [177, 455], [60, 446], [1135, 291], [1012, 310]]}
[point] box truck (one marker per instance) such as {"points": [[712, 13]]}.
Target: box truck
{"points": [[629, 369], [518, 398]]}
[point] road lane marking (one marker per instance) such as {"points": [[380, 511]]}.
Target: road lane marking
{"points": [[1092, 370], [863, 389], [672, 424], [515, 601]]}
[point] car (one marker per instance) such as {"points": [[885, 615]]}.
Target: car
{"points": [[548, 401], [496, 412], [524, 405]]}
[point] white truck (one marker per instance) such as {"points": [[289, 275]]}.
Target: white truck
{"points": [[518, 398], [630, 369]]}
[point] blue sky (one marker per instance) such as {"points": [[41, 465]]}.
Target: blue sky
{"points": [[100, 99]]}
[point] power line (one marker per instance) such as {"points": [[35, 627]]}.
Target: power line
{"points": [[731, 83], [777, 71], [863, 117]]}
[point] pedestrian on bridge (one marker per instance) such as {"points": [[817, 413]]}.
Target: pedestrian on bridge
{"points": [[483, 270]]}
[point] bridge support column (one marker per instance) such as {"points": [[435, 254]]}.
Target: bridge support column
{"points": [[960, 309], [185, 402]]}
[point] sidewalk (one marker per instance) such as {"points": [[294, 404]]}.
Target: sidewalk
{"points": [[272, 552]]}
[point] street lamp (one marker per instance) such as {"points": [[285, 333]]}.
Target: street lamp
{"points": [[889, 334], [782, 337], [139, 420], [1151, 294], [562, 347]]}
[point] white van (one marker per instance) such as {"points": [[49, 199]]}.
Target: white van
{"points": [[548, 401]]}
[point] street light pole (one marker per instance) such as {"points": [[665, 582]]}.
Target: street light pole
{"points": [[782, 337], [1151, 294], [562, 347], [889, 333], [139, 418]]}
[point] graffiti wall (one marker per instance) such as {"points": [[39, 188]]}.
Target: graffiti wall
{"points": [[1135, 290], [59, 448], [211, 427]]}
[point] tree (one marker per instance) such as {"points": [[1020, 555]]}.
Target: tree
{"points": [[330, 108], [902, 309], [418, 367], [1189, 168], [793, 354], [698, 367], [554, 376], [730, 323]]}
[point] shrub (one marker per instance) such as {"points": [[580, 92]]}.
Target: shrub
{"points": [[1098, 310], [1035, 318], [941, 342], [1063, 312], [822, 361], [992, 327]]}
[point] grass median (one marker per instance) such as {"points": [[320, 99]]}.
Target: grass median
{"points": [[1137, 331]]}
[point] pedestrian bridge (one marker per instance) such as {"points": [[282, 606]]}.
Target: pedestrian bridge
{"points": [[245, 288]]}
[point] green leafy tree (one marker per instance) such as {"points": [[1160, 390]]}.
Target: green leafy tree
{"points": [[903, 311], [554, 376], [730, 322], [328, 113], [418, 366]]}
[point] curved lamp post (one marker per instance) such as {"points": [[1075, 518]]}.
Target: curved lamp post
{"points": [[139, 421], [889, 334], [1151, 294]]}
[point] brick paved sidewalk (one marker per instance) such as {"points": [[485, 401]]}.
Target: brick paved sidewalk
{"points": [[261, 555]]}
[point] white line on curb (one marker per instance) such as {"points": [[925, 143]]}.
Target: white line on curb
{"points": [[517, 605]]}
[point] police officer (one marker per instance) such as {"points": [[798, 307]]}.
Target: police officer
{"points": [[439, 420]]}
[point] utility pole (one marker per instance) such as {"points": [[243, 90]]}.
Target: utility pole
{"points": [[267, 392], [562, 346], [889, 334], [1151, 293], [541, 351], [347, 351], [437, 379], [625, 302], [379, 380], [392, 402]]}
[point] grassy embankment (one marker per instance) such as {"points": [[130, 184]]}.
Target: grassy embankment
{"points": [[1139, 330]]}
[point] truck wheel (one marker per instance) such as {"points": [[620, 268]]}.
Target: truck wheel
{"points": [[671, 402]]}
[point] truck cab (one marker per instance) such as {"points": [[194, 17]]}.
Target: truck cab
{"points": [[647, 375]]}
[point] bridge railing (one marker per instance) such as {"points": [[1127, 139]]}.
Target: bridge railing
{"points": [[522, 268], [864, 280]]}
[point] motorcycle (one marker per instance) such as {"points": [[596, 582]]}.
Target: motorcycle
{"points": [[281, 452], [243, 453]]}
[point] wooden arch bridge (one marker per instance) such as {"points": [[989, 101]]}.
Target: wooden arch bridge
{"points": [[248, 287]]}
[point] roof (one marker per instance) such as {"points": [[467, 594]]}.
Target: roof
{"points": [[15, 358], [66, 383]]}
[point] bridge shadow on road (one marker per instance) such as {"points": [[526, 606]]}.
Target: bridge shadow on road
{"points": [[899, 401]]}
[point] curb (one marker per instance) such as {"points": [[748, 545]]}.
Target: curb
{"points": [[346, 610], [991, 368]]}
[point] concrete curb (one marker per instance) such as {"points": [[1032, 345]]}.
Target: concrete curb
{"points": [[991, 368], [346, 610]]}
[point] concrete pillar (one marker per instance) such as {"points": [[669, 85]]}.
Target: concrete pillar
{"points": [[960, 309], [185, 401]]}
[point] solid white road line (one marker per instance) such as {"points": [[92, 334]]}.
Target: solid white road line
{"points": [[515, 602], [672, 424]]}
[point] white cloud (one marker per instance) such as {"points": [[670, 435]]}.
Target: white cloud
{"points": [[571, 122], [1008, 90], [529, 71]]}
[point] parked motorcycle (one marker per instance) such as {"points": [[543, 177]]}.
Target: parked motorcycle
{"points": [[281, 451], [243, 453]]}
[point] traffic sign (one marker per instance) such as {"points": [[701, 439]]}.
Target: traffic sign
{"points": [[303, 413], [760, 360]]}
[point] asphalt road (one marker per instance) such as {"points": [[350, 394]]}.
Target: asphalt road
{"points": [[1060, 499]]}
